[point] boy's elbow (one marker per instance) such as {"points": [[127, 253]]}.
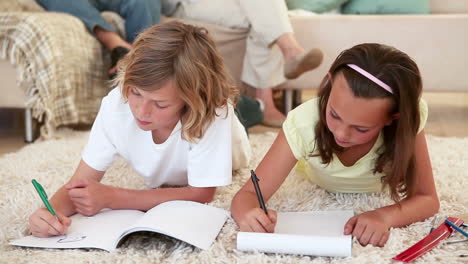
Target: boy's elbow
{"points": [[207, 199], [204, 195]]}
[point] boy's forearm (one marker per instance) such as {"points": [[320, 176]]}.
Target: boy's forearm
{"points": [[411, 210], [147, 199], [61, 202]]}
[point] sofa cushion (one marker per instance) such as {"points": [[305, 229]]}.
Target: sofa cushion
{"points": [[449, 6], [441, 54], [316, 6], [387, 7]]}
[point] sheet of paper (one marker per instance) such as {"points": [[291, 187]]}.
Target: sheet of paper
{"points": [[317, 233], [99, 231], [195, 223]]}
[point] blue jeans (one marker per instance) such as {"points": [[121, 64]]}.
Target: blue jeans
{"points": [[138, 14]]}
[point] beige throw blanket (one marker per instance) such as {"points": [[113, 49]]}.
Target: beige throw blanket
{"points": [[60, 65]]}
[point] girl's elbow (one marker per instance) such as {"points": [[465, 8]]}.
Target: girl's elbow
{"points": [[205, 195], [436, 205], [432, 204]]}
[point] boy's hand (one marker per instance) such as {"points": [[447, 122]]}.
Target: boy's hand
{"points": [[369, 228], [257, 221], [88, 196], [43, 224]]}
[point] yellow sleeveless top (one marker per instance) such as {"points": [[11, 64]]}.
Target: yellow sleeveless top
{"points": [[334, 177]]}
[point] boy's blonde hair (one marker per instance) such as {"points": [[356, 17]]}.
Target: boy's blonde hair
{"points": [[187, 55]]}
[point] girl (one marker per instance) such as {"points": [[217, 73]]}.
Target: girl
{"points": [[363, 133], [169, 117]]}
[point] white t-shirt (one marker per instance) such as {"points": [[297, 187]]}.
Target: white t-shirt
{"points": [[206, 163]]}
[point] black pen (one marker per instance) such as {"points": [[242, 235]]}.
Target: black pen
{"points": [[257, 190]]}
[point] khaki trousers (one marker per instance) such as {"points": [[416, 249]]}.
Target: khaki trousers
{"points": [[265, 20]]}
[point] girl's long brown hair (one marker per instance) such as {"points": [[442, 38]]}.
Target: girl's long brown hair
{"points": [[400, 72], [187, 55]]}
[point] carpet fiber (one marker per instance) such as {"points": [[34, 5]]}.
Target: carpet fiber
{"points": [[53, 162]]}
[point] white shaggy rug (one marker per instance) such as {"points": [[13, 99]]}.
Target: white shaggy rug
{"points": [[53, 162]]}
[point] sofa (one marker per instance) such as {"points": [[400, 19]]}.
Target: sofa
{"points": [[61, 84], [50, 66], [437, 42]]}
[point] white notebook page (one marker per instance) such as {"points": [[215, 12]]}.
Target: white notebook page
{"points": [[99, 231], [317, 233], [195, 223]]}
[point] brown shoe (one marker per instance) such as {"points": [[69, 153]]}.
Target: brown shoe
{"points": [[302, 63]]}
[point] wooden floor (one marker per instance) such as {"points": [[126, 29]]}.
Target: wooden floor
{"points": [[448, 117]]}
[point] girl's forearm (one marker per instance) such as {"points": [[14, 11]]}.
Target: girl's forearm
{"points": [[243, 202], [412, 209], [146, 199]]}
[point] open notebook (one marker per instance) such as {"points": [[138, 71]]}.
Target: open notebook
{"points": [[318, 233], [195, 223]]}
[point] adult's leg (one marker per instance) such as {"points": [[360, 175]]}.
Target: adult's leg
{"points": [[267, 65], [263, 63], [263, 69], [88, 12], [155, 8], [138, 14], [85, 10], [225, 13], [296, 60], [274, 27]]}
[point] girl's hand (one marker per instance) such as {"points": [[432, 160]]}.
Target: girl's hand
{"points": [[369, 228], [88, 196], [43, 224], [257, 221]]}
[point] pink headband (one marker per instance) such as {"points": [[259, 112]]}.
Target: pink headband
{"points": [[371, 77]]}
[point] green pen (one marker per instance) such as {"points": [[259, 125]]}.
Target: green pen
{"points": [[43, 196]]}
